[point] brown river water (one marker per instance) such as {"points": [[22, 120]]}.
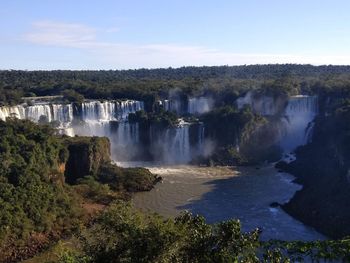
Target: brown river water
{"points": [[222, 193]]}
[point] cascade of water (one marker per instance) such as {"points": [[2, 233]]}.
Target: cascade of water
{"points": [[109, 119], [109, 110], [177, 145], [264, 105], [125, 141], [36, 111], [15, 111], [96, 111], [127, 107], [199, 105], [196, 105], [52, 112], [174, 106], [299, 114], [165, 104], [127, 134], [62, 113], [201, 139]]}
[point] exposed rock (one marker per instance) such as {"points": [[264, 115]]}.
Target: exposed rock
{"points": [[322, 168], [86, 155]]}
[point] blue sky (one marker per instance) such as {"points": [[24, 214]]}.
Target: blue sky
{"points": [[106, 34]]}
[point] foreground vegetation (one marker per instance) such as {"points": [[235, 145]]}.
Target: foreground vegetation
{"points": [[123, 234], [37, 206]]}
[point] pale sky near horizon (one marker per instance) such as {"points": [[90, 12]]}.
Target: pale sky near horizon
{"points": [[107, 34]]}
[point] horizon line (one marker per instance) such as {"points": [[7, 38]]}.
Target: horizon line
{"points": [[184, 66]]}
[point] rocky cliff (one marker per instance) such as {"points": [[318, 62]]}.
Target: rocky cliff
{"points": [[322, 168], [86, 155]]}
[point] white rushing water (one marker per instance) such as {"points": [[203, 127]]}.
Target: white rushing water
{"points": [[200, 105], [264, 105], [296, 116], [176, 145], [62, 113], [173, 146], [109, 110], [299, 115], [110, 119], [195, 105]]}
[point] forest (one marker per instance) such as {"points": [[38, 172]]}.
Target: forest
{"points": [[224, 82]]}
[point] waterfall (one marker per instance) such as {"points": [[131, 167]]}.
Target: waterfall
{"points": [[125, 141], [129, 106], [35, 112], [299, 114], [109, 110], [96, 110], [264, 105], [200, 105], [201, 139], [176, 145], [195, 105], [62, 113], [295, 116], [15, 111], [173, 105]]}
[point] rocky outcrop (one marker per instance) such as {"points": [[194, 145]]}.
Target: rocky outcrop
{"points": [[322, 168], [86, 155], [90, 156]]}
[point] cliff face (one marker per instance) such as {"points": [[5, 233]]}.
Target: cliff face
{"points": [[86, 155], [322, 168]]}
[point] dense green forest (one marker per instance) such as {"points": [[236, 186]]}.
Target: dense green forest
{"points": [[37, 205], [148, 84]]}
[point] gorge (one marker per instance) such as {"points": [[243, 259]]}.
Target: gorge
{"points": [[133, 143], [268, 145], [291, 118]]}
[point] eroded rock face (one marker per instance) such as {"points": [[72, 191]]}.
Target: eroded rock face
{"points": [[322, 168], [86, 155]]}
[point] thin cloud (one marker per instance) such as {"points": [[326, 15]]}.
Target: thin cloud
{"points": [[60, 34], [124, 55]]}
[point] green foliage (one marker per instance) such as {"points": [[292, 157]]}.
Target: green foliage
{"points": [[316, 251], [122, 234], [129, 179], [222, 82], [228, 123], [242, 136], [72, 257], [162, 119], [32, 197], [72, 96], [93, 190]]}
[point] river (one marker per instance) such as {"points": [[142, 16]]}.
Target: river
{"points": [[222, 193]]}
